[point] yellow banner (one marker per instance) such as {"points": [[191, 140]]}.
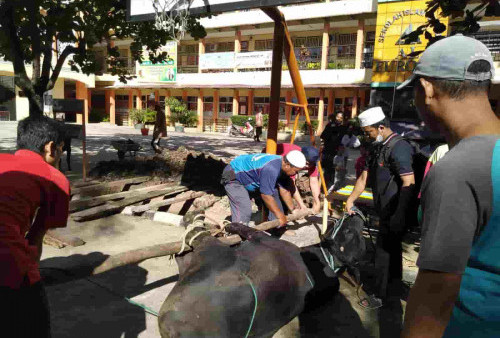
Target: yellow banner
{"points": [[391, 63]]}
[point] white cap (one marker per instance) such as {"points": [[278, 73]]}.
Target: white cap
{"points": [[296, 158], [371, 116]]}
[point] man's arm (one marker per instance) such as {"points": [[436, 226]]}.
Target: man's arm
{"points": [[37, 231], [359, 187], [273, 207], [430, 304], [315, 190]]}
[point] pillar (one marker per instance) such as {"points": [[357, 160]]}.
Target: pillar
{"points": [[362, 98], [237, 43], [138, 102], [130, 104], [288, 109], [201, 50], [82, 93], [185, 96], [215, 113], [354, 111], [89, 105], [109, 97], [321, 110], [331, 102], [324, 48], [251, 94], [157, 96], [360, 42], [236, 102], [199, 107], [167, 108]]}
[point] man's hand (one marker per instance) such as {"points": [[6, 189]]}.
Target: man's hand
{"points": [[283, 220], [348, 207]]}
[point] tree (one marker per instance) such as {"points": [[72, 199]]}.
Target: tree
{"points": [[453, 9], [29, 29]]}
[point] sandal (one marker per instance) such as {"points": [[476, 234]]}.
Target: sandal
{"points": [[370, 302]]}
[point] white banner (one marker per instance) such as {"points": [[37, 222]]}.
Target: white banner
{"points": [[217, 60], [263, 59]]}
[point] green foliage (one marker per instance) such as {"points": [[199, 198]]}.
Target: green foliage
{"points": [[96, 116], [281, 125], [305, 129], [28, 29], [179, 113], [240, 120], [142, 115], [105, 119]]}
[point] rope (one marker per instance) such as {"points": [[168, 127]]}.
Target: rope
{"points": [[256, 303], [196, 224], [309, 279]]}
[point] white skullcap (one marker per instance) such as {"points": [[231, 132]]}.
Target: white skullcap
{"points": [[371, 116], [296, 158]]}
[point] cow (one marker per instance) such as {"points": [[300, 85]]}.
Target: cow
{"points": [[253, 288]]}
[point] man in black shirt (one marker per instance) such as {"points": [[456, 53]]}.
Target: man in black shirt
{"points": [[331, 137]]}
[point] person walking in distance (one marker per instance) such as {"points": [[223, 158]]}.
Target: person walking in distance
{"points": [[259, 122], [331, 137], [456, 292]]}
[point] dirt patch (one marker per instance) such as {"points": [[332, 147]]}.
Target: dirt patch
{"points": [[188, 166]]}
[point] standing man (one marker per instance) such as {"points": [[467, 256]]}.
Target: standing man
{"points": [[312, 156], [34, 197], [389, 167], [456, 293], [258, 174], [331, 137], [259, 122], [160, 128]]}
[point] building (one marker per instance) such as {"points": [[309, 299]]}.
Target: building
{"points": [[349, 53]]}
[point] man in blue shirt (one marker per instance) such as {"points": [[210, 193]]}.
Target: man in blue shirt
{"points": [[259, 173], [456, 293]]}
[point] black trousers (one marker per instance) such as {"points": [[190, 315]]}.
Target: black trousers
{"points": [[24, 313], [389, 258]]}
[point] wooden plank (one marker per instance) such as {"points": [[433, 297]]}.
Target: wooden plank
{"points": [[115, 207], [87, 203], [108, 187], [80, 184], [141, 208]]}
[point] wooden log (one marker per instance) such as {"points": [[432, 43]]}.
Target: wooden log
{"points": [[139, 255], [108, 187], [111, 208], [81, 184], [87, 203], [141, 208]]}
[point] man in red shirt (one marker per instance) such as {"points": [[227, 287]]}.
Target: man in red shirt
{"points": [[34, 196], [312, 156]]}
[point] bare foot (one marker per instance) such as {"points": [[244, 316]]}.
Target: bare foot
{"points": [[290, 233]]}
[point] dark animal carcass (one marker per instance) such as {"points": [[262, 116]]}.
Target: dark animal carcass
{"points": [[252, 289]]}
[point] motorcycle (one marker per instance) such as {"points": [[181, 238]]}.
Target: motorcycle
{"points": [[235, 130]]}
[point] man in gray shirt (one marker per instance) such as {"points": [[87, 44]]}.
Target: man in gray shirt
{"points": [[456, 293]]}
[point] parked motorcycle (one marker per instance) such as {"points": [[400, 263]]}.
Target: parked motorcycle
{"points": [[235, 130]]}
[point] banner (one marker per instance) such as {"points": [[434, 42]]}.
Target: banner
{"points": [[263, 59], [217, 60], [162, 72], [396, 19]]}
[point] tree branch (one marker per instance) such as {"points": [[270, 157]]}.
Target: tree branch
{"points": [[35, 40], [47, 57], [60, 62]]}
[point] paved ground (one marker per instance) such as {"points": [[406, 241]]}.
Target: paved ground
{"points": [[97, 306]]}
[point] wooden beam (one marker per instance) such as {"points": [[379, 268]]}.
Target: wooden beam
{"points": [[141, 208], [107, 187], [111, 208]]}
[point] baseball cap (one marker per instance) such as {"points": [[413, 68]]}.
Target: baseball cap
{"points": [[296, 158], [449, 59], [371, 116], [311, 154]]}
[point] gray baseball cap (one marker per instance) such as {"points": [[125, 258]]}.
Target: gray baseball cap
{"points": [[450, 58]]}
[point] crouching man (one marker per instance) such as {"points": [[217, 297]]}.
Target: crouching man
{"points": [[259, 173], [34, 196]]}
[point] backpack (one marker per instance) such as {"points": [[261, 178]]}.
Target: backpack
{"points": [[419, 162]]}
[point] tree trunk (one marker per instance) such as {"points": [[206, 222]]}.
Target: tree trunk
{"points": [[36, 105]]}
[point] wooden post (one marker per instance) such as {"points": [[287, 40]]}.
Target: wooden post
{"points": [[130, 105], [324, 49], [236, 101], [199, 107], [321, 110], [360, 43], [354, 111], [274, 107], [331, 102], [201, 50], [82, 94], [167, 108], [88, 105], [251, 94], [110, 105]]}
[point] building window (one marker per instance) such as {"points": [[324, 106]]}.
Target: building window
{"points": [[208, 104], [264, 44], [226, 104], [492, 40], [219, 47], [342, 51], [244, 46], [308, 51], [187, 58], [261, 103], [192, 102], [368, 50]]}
